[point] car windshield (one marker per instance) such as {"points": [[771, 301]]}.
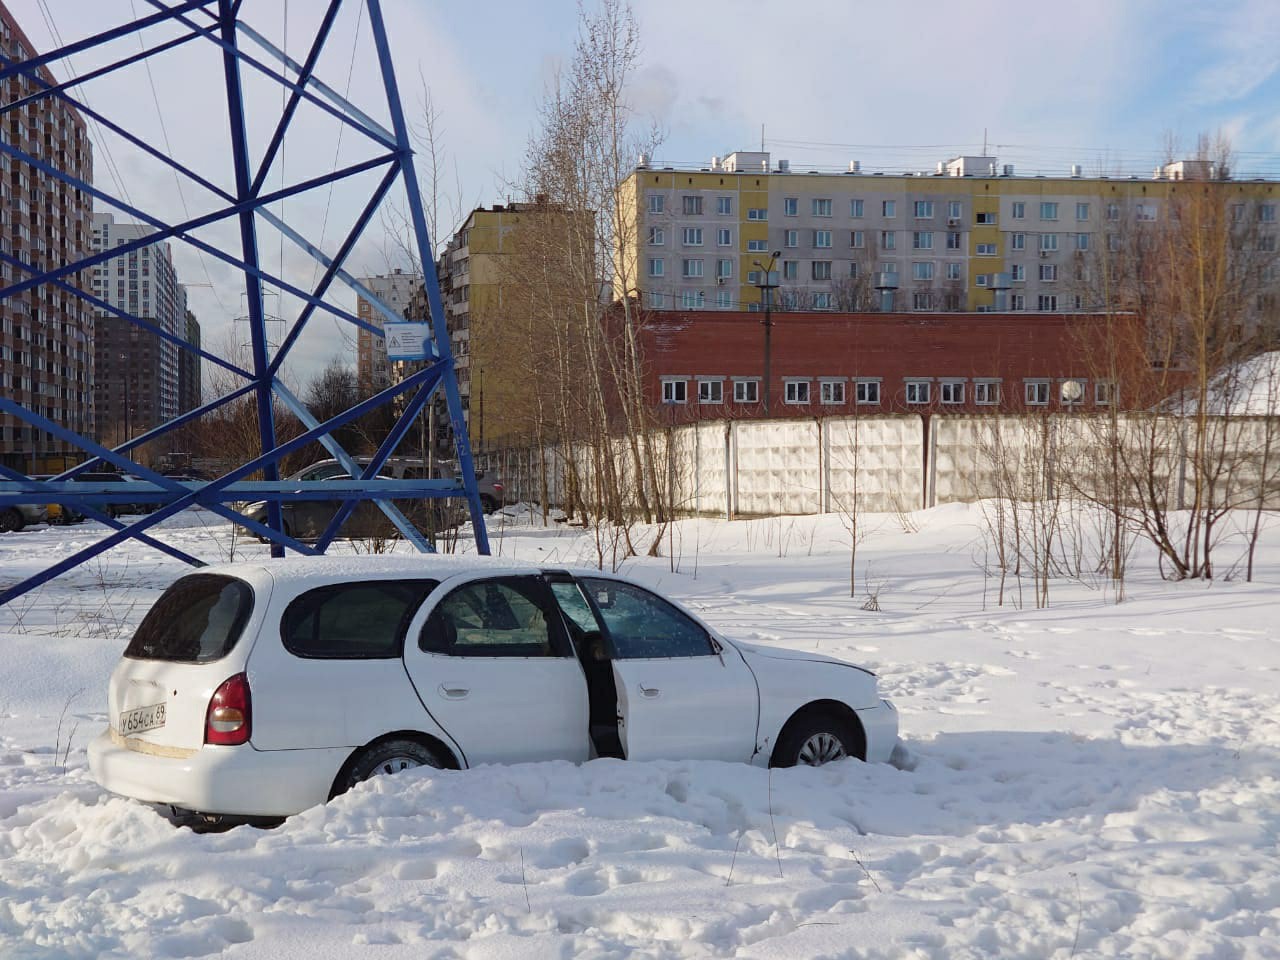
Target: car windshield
{"points": [[198, 619]]}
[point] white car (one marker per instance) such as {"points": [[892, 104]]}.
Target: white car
{"points": [[257, 691]]}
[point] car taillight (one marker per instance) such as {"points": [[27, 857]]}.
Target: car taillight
{"points": [[497, 487], [229, 718]]}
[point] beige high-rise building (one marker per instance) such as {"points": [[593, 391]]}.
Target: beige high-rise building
{"points": [[395, 289], [46, 334]]}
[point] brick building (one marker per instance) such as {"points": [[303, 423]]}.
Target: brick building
{"points": [[46, 334], [709, 365]]}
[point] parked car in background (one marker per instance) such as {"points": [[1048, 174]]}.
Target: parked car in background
{"points": [[13, 518], [115, 509], [57, 512], [308, 519], [259, 690]]}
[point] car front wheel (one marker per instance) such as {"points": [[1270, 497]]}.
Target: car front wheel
{"points": [[814, 740], [390, 756], [11, 520]]}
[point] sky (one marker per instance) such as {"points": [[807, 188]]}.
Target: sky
{"points": [[898, 86]]}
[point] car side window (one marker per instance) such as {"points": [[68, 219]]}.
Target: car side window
{"points": [[354, 621], [574, 606], [502, 617], [642, 625]]}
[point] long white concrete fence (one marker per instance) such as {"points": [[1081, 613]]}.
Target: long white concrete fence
{"points": [[904, 462]]}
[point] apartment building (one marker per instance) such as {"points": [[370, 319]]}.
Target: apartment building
{"points": [[137, 372], [46, 333], [395, 289], [971, 235], [190, 389]]}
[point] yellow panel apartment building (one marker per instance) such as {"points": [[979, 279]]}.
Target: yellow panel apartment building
{"points": [[971, 235]]}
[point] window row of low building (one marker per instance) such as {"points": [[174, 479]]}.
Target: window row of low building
{"points": [[873, 392]]}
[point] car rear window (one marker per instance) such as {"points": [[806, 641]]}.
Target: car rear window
{"points": [[198, 619], [353, 621]]}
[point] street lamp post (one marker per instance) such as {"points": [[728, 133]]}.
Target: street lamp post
{"points": [[128, 406], [766, 293]]}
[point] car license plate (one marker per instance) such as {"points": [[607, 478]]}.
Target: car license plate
{"points": [[142, 719]]}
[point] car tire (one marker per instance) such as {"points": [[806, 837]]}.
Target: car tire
{"points": [[387, 757], [11, 520], [488, 504], [814, 739]]}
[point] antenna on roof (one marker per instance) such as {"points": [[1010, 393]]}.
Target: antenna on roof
{"points": [[984, 141], [762, 138]]}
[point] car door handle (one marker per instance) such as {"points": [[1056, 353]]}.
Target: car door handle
{"points": [[453, 692], [652, 693]]}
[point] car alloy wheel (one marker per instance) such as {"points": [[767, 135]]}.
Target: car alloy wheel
{"points": [[10, 520], [821, 748], [390, 756]]}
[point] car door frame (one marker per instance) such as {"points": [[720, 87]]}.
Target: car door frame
{"points": [[436, 707]]}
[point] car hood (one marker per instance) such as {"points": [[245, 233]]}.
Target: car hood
{"points": [[785, 653]]}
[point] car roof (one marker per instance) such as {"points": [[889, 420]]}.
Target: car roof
{"points": [[305, 572]]}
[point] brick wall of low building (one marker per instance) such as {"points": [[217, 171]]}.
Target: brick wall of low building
{"points": [[890, 350]]}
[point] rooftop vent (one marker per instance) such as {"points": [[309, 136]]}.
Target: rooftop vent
{"points": [[784, 166], [855, 166], [643, 162]]}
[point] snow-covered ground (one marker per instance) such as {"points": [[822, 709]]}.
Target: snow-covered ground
{"points": [[1091, 780]]}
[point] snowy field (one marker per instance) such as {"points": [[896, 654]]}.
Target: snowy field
{"points": [[1089, 780]]}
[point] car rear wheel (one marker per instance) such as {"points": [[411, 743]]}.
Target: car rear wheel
{"points": [[390, 756], [11, 520], [814, 740]]}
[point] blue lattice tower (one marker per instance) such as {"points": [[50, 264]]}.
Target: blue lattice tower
{"points": [[220, 23]]}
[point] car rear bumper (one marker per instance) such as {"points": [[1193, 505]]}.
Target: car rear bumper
{"points": [[239, 781], [880, 725]]}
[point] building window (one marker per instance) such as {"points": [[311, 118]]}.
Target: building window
{"points": [[674, 391], [692, 206], [746, 391], [1267, 212], [980, 280], [657, 236], [855, 208], [796, 391], [724, 237], [955, 210], [1049, 210], [951, 391], [1146, 211], [657, 203], [690, 267], [1082, 241], [1267, 242], [1017, 301], [656, 300], [724, 268], [922, 270], [757, 246], [867, 391], [724, 299], [857, 239], [724, 206], [710, 391], [822, 269], [1017, 272], [1047, 302], [790, 206], [1104, 392], [923, 209], [822, 301], [986, 249], [985, 219], [986, 392], [822, 208], [917, 391], [693, 236], [1113, 242], [657, 266], [889, 208], [822, 239], [1082, 211], [1036, 392], [1048, 272], [921, 240], [693, 299], [1019, 210], [888, 240], [1017, 241], [921, 300], [955, 271], [1071, 392], [831, 391], [790, 269], [1113, 211], [791, 238], [757, 213], [853, 269], [953, 241], [1048, 241]]}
